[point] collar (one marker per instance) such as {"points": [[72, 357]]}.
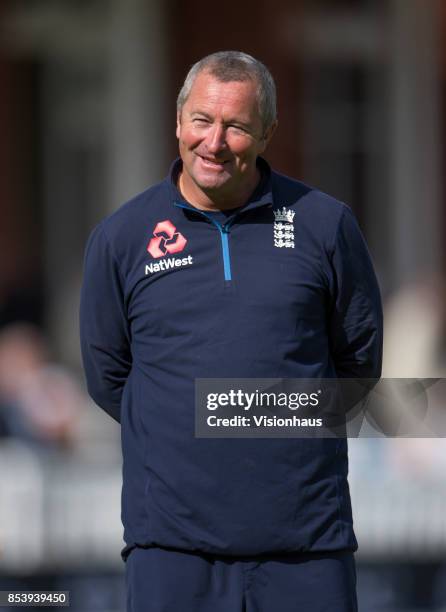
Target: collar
{"points": [[262, 195]]}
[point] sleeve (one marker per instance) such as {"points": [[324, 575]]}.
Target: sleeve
{"points": [[104, 329], [356, 320]]}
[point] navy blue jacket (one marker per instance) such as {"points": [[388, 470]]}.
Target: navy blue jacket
{"points": [[171, 295]]}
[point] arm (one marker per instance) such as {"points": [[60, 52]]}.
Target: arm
{"points": [[104, 329], [356, 323]]}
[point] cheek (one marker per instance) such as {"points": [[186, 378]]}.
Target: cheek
{"points": [[243, 149], [245, 155], [189, 139]]}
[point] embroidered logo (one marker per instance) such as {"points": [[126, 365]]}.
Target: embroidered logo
{"points": [[166, 240], [284, 228]]}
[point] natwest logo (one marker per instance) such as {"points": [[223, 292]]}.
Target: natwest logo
{"points": [[166, 240]]}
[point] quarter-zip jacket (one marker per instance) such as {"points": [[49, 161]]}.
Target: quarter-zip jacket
{"points": [[170, 294]]}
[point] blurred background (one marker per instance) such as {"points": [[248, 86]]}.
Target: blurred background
{"points": [[87, 119]]}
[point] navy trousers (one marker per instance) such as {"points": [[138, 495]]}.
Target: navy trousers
{"points": [[160, 580]]}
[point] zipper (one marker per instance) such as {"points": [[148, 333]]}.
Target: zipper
{"points": [[224, 234], [224, 237]]}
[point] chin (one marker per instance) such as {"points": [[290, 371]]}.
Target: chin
{"points": [[210, 182]]}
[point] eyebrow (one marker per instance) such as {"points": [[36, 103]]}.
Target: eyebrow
{"points": [[201, 113]]}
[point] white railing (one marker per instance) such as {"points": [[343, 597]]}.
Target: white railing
{"points": [[60, 512]]}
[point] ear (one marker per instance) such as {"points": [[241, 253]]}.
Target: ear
{"points": [[178, 125], [269, 134]]}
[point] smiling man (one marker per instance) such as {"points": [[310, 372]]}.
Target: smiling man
{"points": [[228, 269], [221, 134]]}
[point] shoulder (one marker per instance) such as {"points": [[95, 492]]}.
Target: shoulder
{"points": [[318, 213], [291, 192], [136, 211], [123, 233]]}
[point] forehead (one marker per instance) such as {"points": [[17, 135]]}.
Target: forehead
{"points": [[212, 96]]}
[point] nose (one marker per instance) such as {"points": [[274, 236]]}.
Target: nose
{"points": [[216, 138]]}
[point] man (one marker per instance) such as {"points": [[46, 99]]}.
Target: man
{"points": [[228, 269]]}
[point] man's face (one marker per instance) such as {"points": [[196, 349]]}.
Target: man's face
{"points": [[220, 135]]}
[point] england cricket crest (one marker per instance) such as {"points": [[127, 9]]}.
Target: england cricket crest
{"points": [[284, 228]]}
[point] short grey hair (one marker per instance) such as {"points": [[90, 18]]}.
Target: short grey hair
{"points": [[229, 66]]}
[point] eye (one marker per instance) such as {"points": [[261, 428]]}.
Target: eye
{"points": [[237, 128], [200, 121]]}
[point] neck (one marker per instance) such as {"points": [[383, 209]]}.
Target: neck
{"points": [[216, 200]]}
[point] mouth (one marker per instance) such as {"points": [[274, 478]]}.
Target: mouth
{"points": [[212, 164]]}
